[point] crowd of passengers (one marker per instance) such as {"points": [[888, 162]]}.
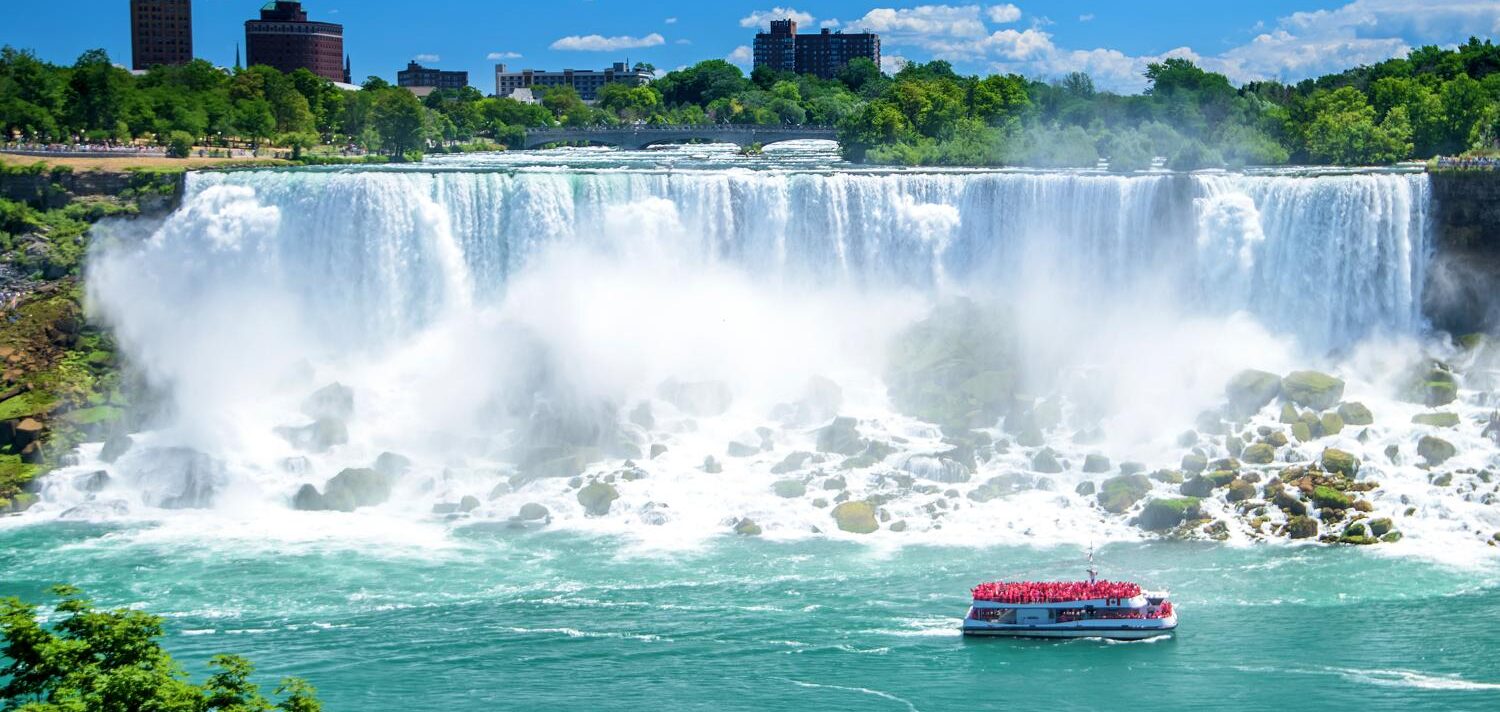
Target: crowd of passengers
{"points": [[1053, 591]]}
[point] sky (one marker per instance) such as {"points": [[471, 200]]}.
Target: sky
{"points": [[1109, 39]]}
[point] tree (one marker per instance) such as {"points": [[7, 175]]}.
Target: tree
{"points": [[1464, 102], [253, 120], [112, 661], [1343, 131], [96, 92], [399, 118], [858, 73]]}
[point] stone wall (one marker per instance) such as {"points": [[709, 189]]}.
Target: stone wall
{"points": [[1463, 285], [48, 190]]}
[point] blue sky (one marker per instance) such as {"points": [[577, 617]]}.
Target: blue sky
{"points": [[1112, 40]]}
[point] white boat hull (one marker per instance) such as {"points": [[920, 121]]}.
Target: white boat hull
{"points": [[1138, 631]]}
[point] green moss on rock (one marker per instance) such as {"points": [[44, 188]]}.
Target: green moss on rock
{"points": [[1118, 493], [1436, 420], [1325, 496], [1344, 463], [856, 517], [1164, 514], [1312, 389]]}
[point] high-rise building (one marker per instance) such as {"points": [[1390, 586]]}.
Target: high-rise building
{"points": [[822, 54], [588, 82], [419, 78], [161, 32], [284, 38]]}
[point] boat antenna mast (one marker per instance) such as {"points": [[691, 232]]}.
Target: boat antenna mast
{"points": [[1093, 572]]}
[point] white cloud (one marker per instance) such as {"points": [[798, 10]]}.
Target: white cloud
{"points": [[892, 63], [671, 21], [1291, 48], [830, 23], [427, 58], [1003, 14], [742, 56], [600, 43], [760, 18], [1086, 17], [502, 55], [908, 25]]}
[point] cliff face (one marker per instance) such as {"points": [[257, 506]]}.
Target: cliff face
{"points": [[1463, 288]]}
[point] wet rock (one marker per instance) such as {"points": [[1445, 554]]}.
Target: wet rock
{"points": [[1131, 468], [747, 527], [353, 488], [392, 465], [1436, 420], [1276, 438], [657, 450], [1302, 432], [898, 526], [1198, 486], [1312, 389], [93, 482], [178, 478], [1356, 414], [532, 512], [307, 499], [1119, 493], [642, 416], [1239, 491], [1045, 461], [499, 490], [1391, 537], [1096, 464], [596, 498], [935, 469], [1435, 450], [1171, 477], [789, 489], [115, 447], [842, 437], [1302, 527], [1194, 463], [1251, 390], [1330, 498], [334, 401], [739, 449], [1332, 424], [791, 463], [468, 504], [1443, 480], [1289, 414], [319, 436], [1258, 454], [703, 399], [857, 517], [1379, 527], [1344, 463], [1163, 514], [835, 483], [712, 466]]}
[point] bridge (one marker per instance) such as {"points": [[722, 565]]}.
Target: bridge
{"points": [[641, 136]]}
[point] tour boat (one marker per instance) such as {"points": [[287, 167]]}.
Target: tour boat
{"points": [[1115, 610]]}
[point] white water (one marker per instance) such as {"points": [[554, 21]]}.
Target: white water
{"points": [[476, 312]]}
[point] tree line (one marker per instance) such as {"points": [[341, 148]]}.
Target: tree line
{"points": [[1434, 101]]}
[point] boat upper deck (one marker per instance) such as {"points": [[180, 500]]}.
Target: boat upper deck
{"points": [[1059, 593]]}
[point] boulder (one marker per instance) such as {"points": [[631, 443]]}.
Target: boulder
{"points": [[789, 489], [317, 437], [308, 499], [1289, 414], [1332, 424], [1302, 527], [1194, 463], [1096, 464], [1328, 497], [702, 399], [1251, 390], [1288, 503], [935, 469], [1198, 486], [1085, 488], [747, 527], [1240, 490], [1379, 527], [1171, 477], [26, 432], [712, 466], [334, 401], [1045, 461], [353, 488], [1312, 389], [1436, 420], [1163, 514], [739, 449], [1356, 414], [791, 463], [468, 504], [1341, 462], [1131, 468], [178, 478], [1435, 450], [857, 517], [1119, 493], [1258, 454], [532, 512], [392, 465], [596, 498], [1302, 432], [657, 450], [93, 482], [115, 447], [841, 436]]}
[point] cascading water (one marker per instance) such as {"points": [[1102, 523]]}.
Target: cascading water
{"points": [[506, 328]]}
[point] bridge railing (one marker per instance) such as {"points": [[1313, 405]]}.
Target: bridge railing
{"points": [[719, 128]]}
